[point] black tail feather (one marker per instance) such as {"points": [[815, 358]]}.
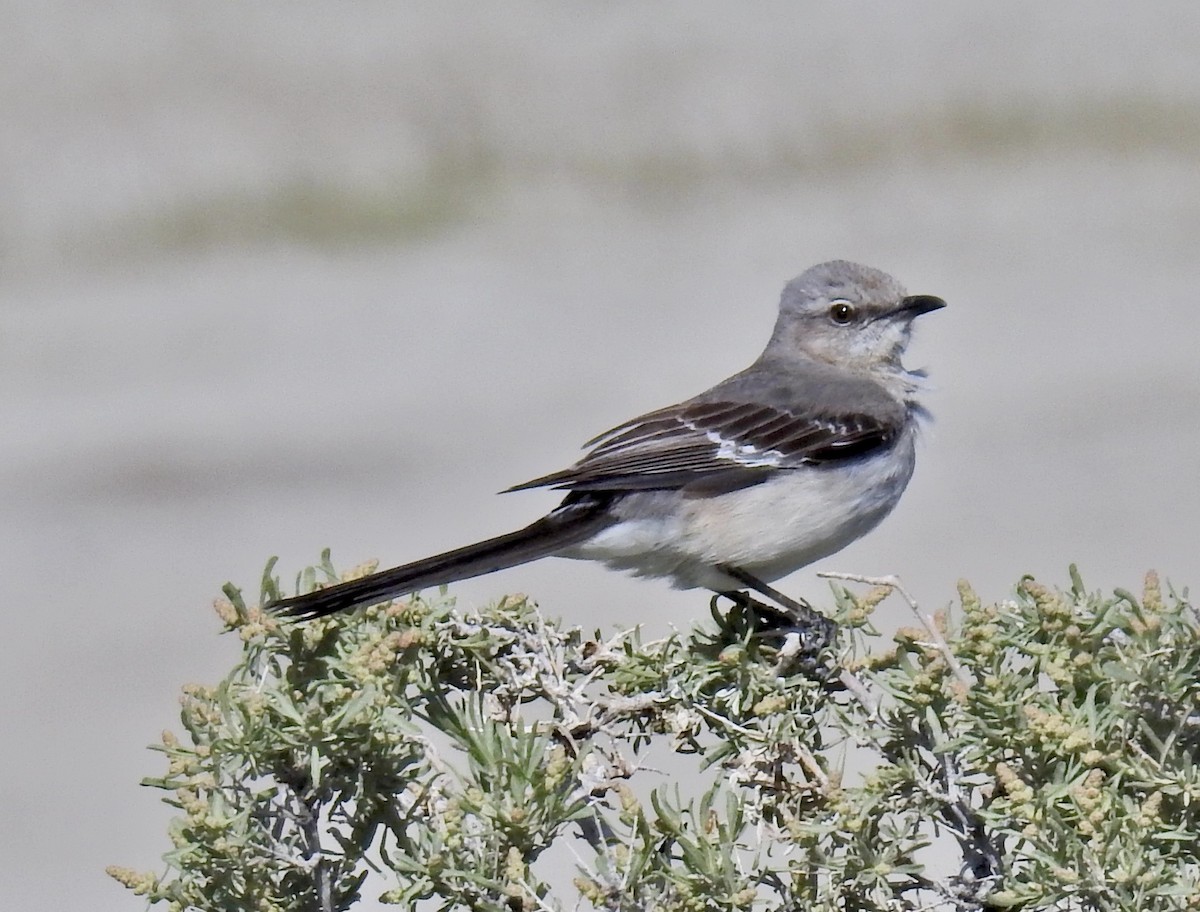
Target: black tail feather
{"points": [[577, 519]]}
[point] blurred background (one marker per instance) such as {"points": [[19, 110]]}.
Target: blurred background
{"points": [[282, 276]]}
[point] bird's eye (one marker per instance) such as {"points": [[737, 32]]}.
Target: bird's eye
{"points": [[841, 312]]}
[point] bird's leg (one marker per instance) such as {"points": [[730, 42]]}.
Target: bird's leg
{"points": [[800, 609], [815, 629]]}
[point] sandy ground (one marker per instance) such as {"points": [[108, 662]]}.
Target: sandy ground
{"points": [[302, 276]]}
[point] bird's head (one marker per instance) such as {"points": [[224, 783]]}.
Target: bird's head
{"points": [[849, 315]]}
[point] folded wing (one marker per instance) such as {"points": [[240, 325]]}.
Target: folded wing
{"points": [[723, 443]]}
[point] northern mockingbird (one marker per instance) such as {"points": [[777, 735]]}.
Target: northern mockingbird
{"points": [[782, 464]]}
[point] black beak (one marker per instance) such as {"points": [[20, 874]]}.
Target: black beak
{"points": [[920, 304]]}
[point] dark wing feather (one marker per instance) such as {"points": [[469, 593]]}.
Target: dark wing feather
{"points": [[723, 442]]}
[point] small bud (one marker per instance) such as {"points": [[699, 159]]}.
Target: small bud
{"points": [[140, 883], [226, 612], [731, 655], [1152, 599], [966, 595]]}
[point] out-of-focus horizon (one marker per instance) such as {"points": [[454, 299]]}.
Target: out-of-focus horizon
{"points": [[285, 276]]}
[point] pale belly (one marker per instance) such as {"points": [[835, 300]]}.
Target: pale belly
{"points": [[770, 529]]}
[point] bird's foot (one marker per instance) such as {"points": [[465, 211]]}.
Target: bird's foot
{"points": [[798, 634], [814, 631], [786, 615]]}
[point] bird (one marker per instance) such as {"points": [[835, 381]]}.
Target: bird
{"points": [[778, 466]]}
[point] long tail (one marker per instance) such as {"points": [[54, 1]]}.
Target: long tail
{"points": [[577, 519]]}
